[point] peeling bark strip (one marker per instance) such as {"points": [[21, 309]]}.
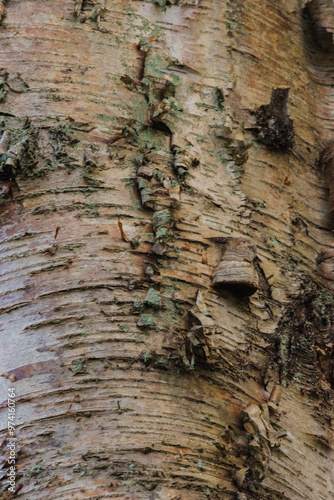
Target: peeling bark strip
{"points": [[197, 341], [183, 161], [237, 143], [90, 10], [260, 422], [157, 184]]}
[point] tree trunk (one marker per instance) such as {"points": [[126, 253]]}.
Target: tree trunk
{"points": [[166, 241]]}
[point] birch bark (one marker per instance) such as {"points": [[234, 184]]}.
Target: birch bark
{"points": [[137, 144]]}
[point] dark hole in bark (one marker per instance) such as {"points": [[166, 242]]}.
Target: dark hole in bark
{"points": [[156, 125], [240, 289]]}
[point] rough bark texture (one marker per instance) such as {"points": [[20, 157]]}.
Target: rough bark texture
{"points": [[132, 153]]}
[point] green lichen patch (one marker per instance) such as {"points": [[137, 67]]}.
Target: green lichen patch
{"points": [[162, 233], [153, 359], [79, 366], [35, 470], [124, 328], [79, 469], [152, 298], [146, 321], [161, 218], [155, 64]]}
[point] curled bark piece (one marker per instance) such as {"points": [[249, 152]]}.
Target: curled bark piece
{"points": [[5, 192], [236, 142], [253, 422], [2, 10], [10, 159], [274, 127], [325, 261], [198, 341], [257, 421], [327, 165], [236, 272], [4, 142], [160, 110], [155, 193], [275, 394], [241, 496], [145, 172], [174, 192], [150, 192], [162, 221], [157, 185], [240, 476], [15, 153], [183, 161], [120, 226], [78, 8]]}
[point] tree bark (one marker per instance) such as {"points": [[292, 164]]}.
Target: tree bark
{"points": [[166, 240]]}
